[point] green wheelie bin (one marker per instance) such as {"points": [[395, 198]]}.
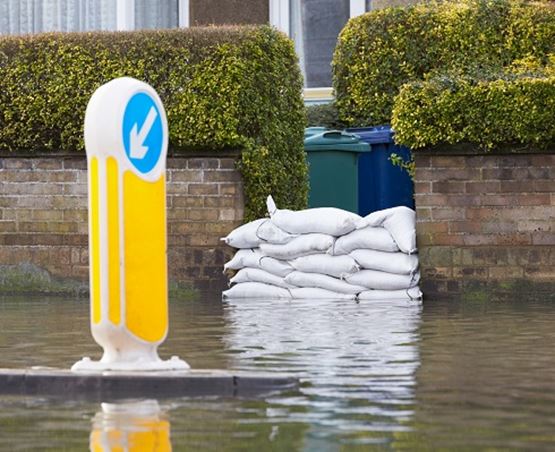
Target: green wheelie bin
{"points": [[333, 159]]}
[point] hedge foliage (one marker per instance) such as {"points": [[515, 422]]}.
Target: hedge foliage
{"points": [[324, 115], [226, 87], [513, 107], [381, 50]]}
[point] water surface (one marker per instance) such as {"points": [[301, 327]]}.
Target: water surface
{"points": [[374, 376]]}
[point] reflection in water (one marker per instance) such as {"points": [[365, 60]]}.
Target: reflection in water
{"points": [[131, 426], [456, 376], [358, 362]]}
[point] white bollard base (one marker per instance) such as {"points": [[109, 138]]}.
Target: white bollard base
{"points": [[140, 365]]}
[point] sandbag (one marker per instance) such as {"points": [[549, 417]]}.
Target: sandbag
{"points": [[243, 258], [251, 235], [314, 293], [324, 263], [324, 220], [245, 236], [399, 221], [255, 259], [256, 290], [257, 275], [400, 263], [269, 232], [275, 266], [300, 246], [366, 238], [301, 279], [413, 293], [373, 279]]}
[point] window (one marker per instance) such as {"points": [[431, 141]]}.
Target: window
{"points": [[144, 14], [156, 14], [314, 26], [36, 16]]}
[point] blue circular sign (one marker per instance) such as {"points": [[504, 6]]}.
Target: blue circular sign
{"points": [[143, 134]]}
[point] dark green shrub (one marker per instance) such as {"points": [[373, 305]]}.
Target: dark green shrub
{"points": [[228, 87], [325, 115], [514, 107], [380, 51]]}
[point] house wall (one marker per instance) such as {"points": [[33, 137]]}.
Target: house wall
{"points": [[43, 216], [216, 12], [485, 221]]}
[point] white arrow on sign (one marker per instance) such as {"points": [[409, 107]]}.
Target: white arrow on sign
{"points": [[136, 138]]}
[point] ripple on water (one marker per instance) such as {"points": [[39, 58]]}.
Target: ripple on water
{"points": [[450, 375]]}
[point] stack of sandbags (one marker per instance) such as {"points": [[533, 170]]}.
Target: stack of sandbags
{"points": [[384, 245], [325, 253]]}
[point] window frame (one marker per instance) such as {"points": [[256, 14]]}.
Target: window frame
{"points": [[280, 17], [125, 14], [280, 14]]}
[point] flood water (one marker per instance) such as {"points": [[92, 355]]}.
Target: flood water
{"points": [[374, 376]]}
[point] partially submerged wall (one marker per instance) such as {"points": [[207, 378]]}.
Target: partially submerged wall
{"points": [[485, 222], [43, 216]]}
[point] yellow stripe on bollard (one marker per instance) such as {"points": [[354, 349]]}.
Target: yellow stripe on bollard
{"points": [[126, 139], [112, 178], [95, 241], [145, 257]]}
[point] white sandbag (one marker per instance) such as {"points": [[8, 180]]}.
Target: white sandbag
{"points": [[255, 259], [251, 235], [257, 275], [269, 232], [300, 246], [325, 220], [373, 279], [413, 293], [400, 263], [245, 236], [366, 238], [324, 263], [314, 293], [256, 290], [301, 279], [243, 258], [399, 221], [275, 266]]}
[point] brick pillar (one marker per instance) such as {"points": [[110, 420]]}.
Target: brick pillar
{"points": [[486, 222], [205, 203]]}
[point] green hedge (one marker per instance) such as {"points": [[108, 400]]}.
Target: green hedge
{"points": [[484, 108], [380, 51], [227, 87], [515, 109], [324, 115]]}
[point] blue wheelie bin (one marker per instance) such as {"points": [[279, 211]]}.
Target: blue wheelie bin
{"points": [[382, 184]]}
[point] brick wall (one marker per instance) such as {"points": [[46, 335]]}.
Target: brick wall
{"points": [[485, 221], [43, 216]]}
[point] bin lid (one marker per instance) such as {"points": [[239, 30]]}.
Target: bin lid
{"points": [[373, 135], [335, 140], [310, 131]]}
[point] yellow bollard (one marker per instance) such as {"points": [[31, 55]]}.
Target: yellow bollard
{"points": [[126, 138], [131, 426]]}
